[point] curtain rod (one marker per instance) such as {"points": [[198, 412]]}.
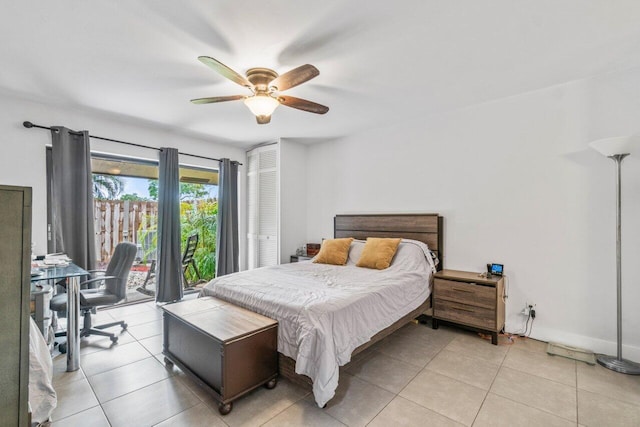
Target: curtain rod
{"points": [[30, 125]]}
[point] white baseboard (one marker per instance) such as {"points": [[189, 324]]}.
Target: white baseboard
{"points": [[588, 343]]}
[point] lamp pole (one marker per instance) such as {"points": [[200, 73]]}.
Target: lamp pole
{"points": [[619, 364]]}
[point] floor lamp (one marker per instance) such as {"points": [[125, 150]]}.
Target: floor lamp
{"points": [[617, 149]]}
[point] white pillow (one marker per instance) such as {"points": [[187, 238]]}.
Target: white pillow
{"points": [[355, 251]]}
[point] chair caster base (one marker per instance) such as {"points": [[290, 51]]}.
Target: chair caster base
{"points": [[271, 384]]}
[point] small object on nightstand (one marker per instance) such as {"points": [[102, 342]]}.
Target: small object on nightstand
{"points": [[468, 299], [313, 249], [497, 269]]}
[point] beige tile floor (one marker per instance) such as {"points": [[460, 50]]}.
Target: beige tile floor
{"points": [[416, 377]]}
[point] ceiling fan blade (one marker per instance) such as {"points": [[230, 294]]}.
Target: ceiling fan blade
{"points": [[213, 99], [227, 72], [303, 104], [294, 77]]}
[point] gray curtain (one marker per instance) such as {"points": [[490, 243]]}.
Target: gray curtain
{"points": [[227, 249], [169, 276], [72, 196]]}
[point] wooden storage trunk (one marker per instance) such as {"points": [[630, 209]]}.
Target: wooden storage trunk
{"points": [[225, 348]]}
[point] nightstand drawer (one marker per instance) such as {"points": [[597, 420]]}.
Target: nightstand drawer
{"points": [[465, 314], [465, 293]]}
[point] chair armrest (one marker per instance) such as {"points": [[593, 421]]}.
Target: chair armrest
{"points": [[97, 271], [98, 279]]}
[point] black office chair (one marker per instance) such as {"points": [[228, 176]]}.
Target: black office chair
{"points": [[114, 290]]}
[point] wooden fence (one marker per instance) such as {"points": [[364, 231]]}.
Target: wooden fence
{"points": [[118, 221]]}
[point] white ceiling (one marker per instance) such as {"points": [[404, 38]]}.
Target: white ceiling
{"points": [[380, 61]]}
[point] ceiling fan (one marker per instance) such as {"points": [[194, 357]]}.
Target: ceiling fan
{"points": [[265, 85]]}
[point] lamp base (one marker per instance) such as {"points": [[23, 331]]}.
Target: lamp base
{"points": [[623, 366]]}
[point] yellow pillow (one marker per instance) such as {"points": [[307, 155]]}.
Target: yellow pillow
{"points": [[378, 253], [334, 251]]}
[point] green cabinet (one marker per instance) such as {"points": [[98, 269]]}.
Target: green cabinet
{"points": [[15, 278]]}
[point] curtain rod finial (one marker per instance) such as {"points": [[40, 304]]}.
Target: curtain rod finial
{"points": [[27, 124]]}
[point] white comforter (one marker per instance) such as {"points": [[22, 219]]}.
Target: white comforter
{"points": [[326, 311]]}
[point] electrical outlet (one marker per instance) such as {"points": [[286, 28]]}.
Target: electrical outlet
{"points": [[529, 309], [532, 311]]}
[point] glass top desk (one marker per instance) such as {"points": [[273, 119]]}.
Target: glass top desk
{"points": [[73, 273]]}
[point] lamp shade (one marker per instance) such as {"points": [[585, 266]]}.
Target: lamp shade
{"points": [[261, 105], [617, 145]]}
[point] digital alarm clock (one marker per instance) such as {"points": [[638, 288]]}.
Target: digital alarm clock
{"points": [[497, 269]]}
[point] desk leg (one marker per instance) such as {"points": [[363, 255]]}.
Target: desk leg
{"points": [[73, 314]]}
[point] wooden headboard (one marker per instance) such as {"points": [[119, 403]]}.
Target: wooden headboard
{"points": [[426, 228]]}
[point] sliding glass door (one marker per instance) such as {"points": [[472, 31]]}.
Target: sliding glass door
{"points": [[126, 208]]}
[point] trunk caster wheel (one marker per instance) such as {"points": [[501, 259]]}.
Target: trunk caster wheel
{"points": [[271, 383], [225, 408], [168, 363]]}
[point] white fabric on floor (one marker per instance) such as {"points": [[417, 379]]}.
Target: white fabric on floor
{"points": [[42, 396]]}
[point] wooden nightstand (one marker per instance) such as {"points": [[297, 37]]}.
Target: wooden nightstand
{"points": [[296, 258], [468, 299]]}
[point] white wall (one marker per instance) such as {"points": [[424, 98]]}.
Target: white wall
{"points": [[293, 207], [23, 150], [516, 184]]}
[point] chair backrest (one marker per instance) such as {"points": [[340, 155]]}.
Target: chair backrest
{"points": [[190, 249], [119, 266]]}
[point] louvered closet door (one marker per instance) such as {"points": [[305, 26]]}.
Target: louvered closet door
{"points": [[252, 209], [262, 206]]}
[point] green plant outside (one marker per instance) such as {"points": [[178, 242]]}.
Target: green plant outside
{"points": [[200, 217], [196, 217]]}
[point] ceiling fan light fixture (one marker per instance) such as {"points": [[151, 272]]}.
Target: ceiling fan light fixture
{"points": [[261, 105], [266, 86]]}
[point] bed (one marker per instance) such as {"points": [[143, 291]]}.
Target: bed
{"points": [[326, 313]]}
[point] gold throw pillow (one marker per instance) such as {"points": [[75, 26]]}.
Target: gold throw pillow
{"points": [[378, 253], [334, 251]]}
